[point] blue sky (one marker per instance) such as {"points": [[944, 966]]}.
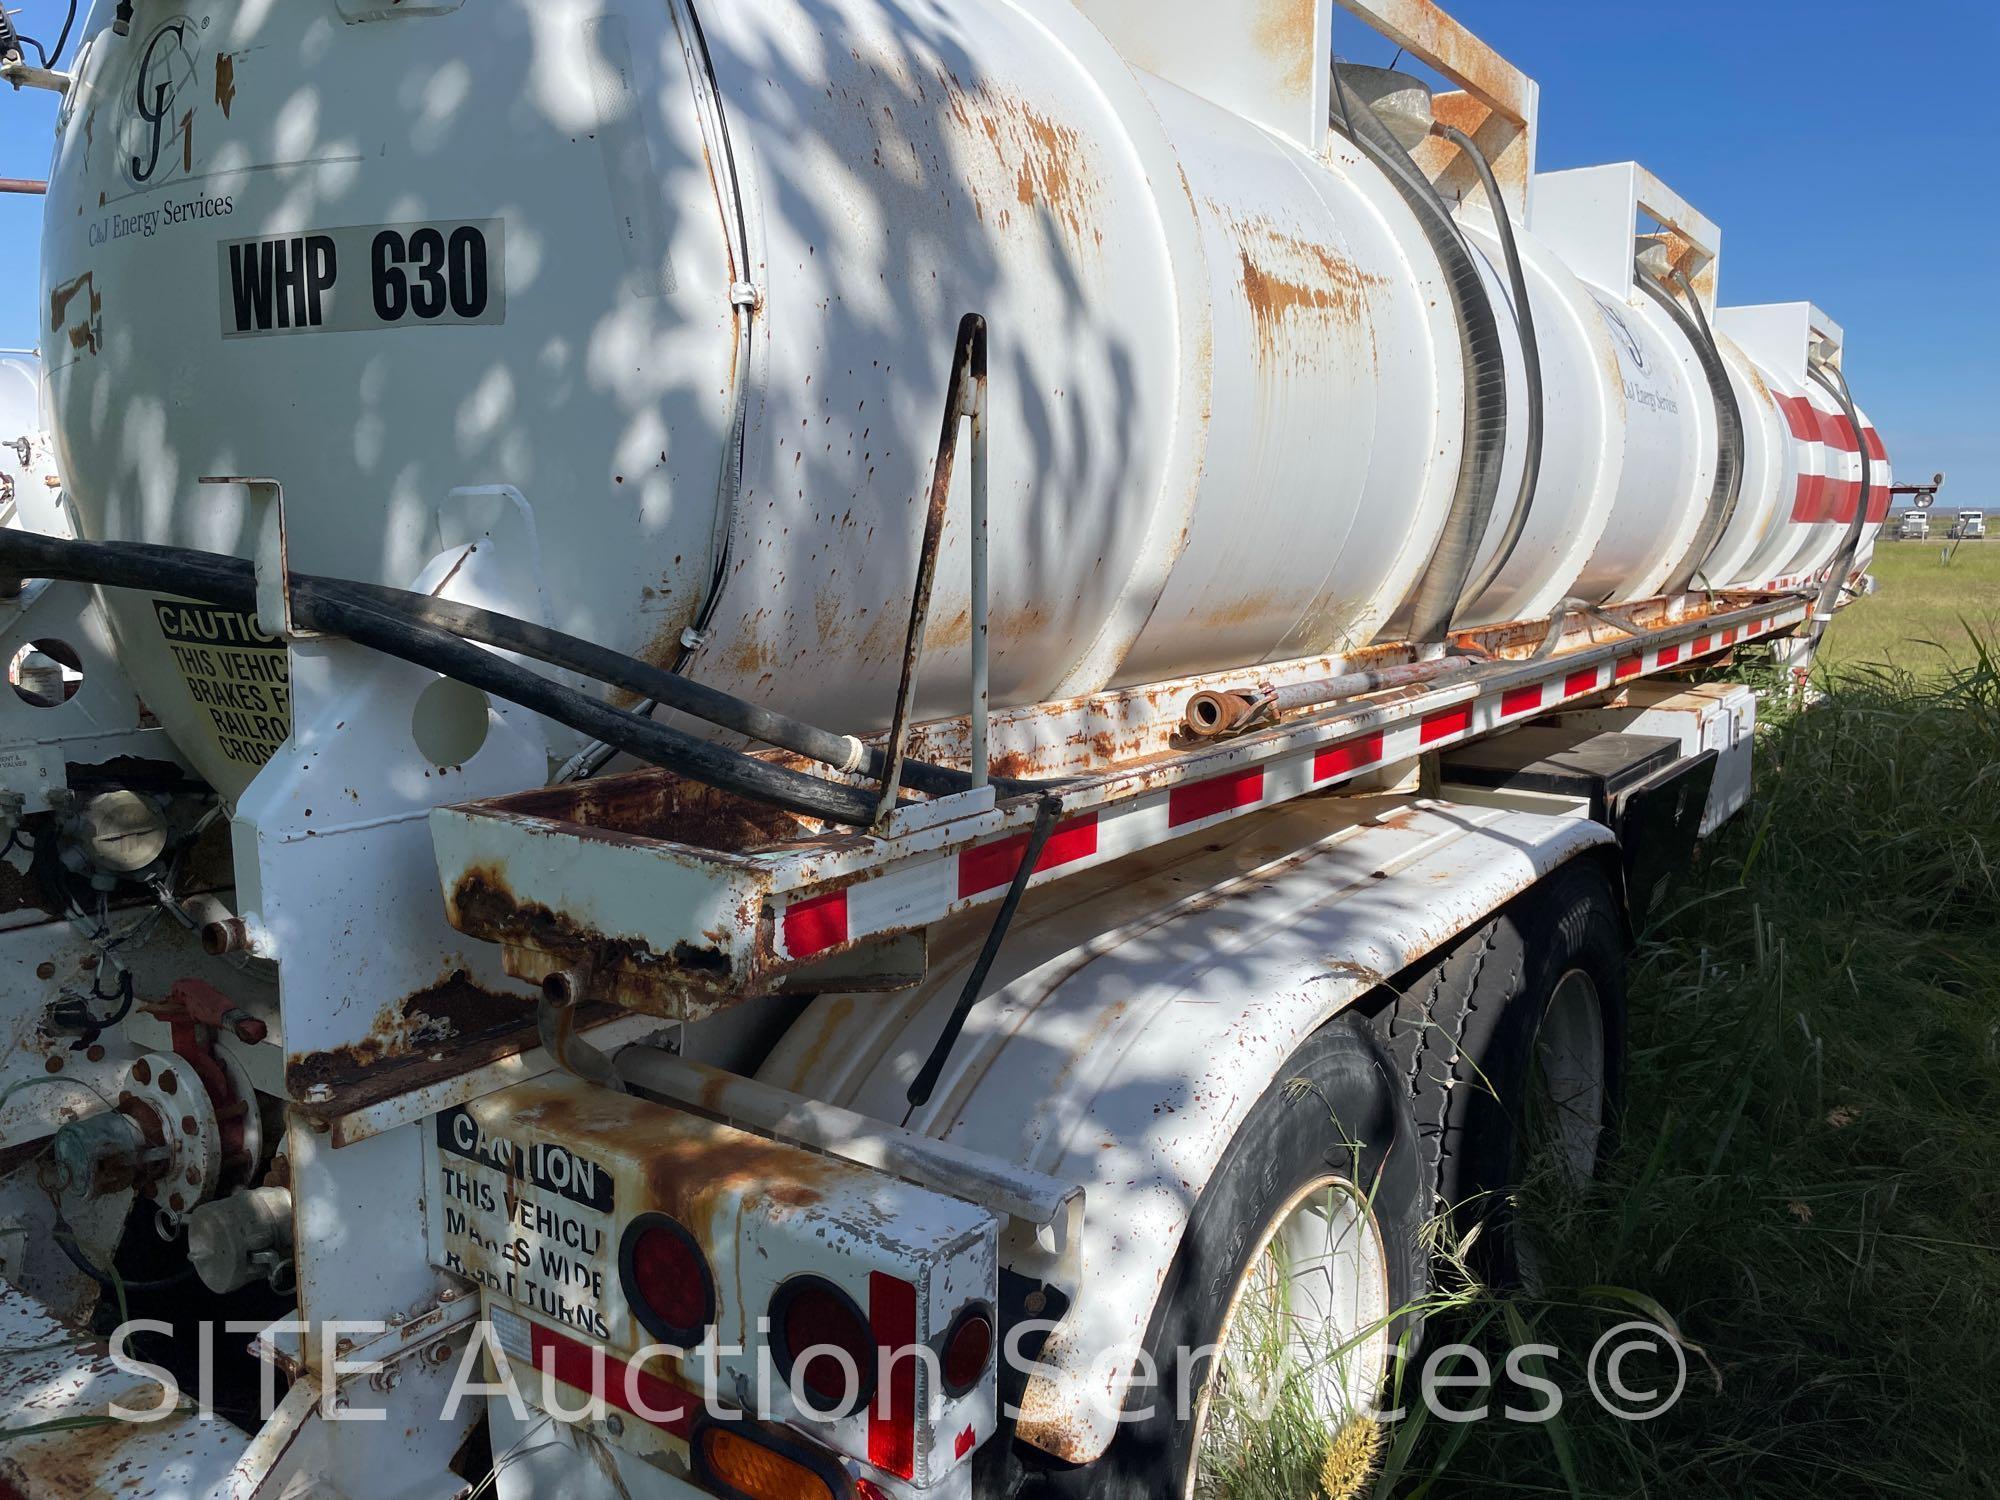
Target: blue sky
{"points": [[1840, 160]]}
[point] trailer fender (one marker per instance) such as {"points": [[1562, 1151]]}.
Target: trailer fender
{"points": [[1134, 1017]]}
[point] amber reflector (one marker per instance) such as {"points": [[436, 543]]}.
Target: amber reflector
{"points": [[751, 1469]]}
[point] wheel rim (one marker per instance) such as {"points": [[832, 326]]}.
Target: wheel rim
{"points": [[1569, 1062], [1304, 1343]]}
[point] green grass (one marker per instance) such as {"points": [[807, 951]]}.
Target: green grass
{"points": [[1808, 1182], [1919, 620]]}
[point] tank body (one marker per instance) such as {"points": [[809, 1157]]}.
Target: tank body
{"points": [[685, 278]]}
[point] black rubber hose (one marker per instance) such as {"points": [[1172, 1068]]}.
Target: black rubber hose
{"points": [[486, 627], [227, 581], [666, 688], [1835, 385], [1531, 355], [1484, 442], [1727, 490]]}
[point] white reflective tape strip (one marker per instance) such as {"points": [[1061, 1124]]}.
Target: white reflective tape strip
{"points": [[511, 1333]]}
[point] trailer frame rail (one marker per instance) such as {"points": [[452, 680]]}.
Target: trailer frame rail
{"points": [[679, 920]]}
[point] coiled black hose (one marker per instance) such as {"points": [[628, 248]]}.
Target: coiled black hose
{"points": [[1727, 490], [1531, 356], [321, 605], [1435, 600]]}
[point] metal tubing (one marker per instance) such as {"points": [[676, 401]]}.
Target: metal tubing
{"points": [[981, 755], [27, 185], [1210, 714], [968, 373]]}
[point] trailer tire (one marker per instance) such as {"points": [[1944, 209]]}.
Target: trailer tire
{"points": [[1526, 1011], [1336, 1110]]}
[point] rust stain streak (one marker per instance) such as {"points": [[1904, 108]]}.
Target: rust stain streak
{"points": [[225, 81]]}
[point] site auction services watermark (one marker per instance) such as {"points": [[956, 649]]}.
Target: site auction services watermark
{"points": [[1635, 1371]]}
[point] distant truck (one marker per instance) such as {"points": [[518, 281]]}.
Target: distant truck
{"points": [[1969, 527], [1913, 526]]}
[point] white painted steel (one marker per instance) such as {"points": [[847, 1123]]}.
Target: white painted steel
{"points": [[1143, 1007], [1226, 395], [1803, 522]]}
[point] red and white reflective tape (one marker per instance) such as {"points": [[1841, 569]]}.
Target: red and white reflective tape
{"points": [[927, 888], [1824, 497], [595, 1371]]}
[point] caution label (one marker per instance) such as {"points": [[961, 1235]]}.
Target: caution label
{"points": [[238, 674], [531, 1221]]}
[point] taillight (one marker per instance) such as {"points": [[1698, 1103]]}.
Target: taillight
{"points": [[810, 1316], [667, 1280], [967, 1349], [756, 1463]]}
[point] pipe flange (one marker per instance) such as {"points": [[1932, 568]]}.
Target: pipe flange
{"points": [[167, 1099]]}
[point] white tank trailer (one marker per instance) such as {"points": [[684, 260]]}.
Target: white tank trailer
{"points": [[563, 829], [685, 284]]}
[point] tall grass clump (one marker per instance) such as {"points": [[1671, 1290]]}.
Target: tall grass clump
{"points": [[1807, 1180]]}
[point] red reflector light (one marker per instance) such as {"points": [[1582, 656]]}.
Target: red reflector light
{"points": [[667, 1280], [810, 1317], [967, 1350]]}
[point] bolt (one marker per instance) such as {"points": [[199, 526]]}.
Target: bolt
{"points": [[94, 1054], [188, 1126], [53, 1065], [142, 1071], [176, 1202], [170, 1082], [614, 1424], [193, 1177], [45, 970]]}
